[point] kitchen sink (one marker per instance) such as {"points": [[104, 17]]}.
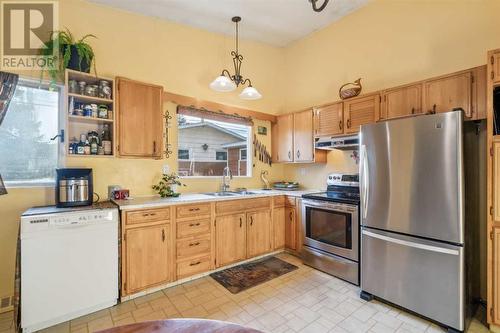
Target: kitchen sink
{"points": [[222, 194], [245, 193]]}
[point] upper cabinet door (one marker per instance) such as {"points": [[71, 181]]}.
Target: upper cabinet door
{"points": [[303, 136], [495, 68], [285, 138], [450, 92], [140, 125], [400, 102], [328, 120], [360, 111]]}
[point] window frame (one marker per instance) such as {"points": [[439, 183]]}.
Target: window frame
{"points": [[246, 157], [183, 159], [61, 125], [224, 152], [248, 160]]}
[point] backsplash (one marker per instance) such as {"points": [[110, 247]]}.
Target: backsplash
{"points": [[314, 176]]}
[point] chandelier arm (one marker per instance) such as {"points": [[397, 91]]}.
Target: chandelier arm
{"points": [[225, 72], [318, 9], [249, 82]]}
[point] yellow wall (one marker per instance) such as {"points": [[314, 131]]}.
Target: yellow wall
{"points": [[386, 43], [183, 60]]}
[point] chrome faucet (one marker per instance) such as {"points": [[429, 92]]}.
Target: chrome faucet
{"points": [[225, 184]]}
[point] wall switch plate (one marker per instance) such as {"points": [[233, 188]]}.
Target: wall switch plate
{"points": [[165, 169]]}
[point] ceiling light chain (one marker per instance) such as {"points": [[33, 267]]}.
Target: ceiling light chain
{"points": [[227, 82], [315, 6]]}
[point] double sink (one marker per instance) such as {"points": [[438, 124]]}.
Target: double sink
{"points": [[230, 193]]}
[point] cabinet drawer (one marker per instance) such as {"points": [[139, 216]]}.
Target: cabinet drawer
{"points": [[290, 201], [279, 201], [192, 247], [148, 215], [193, 210], [233, 206], [193, 266], [193, 227]]}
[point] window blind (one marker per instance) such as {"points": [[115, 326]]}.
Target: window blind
{"points": [[214, 115]]}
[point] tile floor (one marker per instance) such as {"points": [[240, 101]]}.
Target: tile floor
{"points": [[304, 300]]}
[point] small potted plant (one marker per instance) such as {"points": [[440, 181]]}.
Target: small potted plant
{"points": [[167, 186], [73, 54]]}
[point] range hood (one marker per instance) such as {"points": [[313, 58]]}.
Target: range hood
{"points": [[350, 142]]}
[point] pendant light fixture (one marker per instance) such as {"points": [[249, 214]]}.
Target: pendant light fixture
{"points": [[227, 82], [317, 8]]}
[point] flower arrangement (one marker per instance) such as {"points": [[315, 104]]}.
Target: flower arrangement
{"points": [[167, 186]]}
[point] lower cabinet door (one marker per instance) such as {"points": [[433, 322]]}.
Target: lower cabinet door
{"points": [[290, 229], [496, 276], [279, 227], [231, 242], [258, 233], [147, 259]]}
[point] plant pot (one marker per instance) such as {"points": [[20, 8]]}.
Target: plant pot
{"points": [[75, 64]]}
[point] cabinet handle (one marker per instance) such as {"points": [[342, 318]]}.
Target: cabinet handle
{"points": [[289, 155], [145, 214], [492, 60], [298, 153], [433, 111], [194, 224], [412, 110], [194, 244], [349, 123], [154, 147], [194, 209], [163, 235], [241, 222], [195, 263], [291, 217], [340, 125], [251, 220]]}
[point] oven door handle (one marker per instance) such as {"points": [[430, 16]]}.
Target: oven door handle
{"points": [[346, 208], [365, 181]]}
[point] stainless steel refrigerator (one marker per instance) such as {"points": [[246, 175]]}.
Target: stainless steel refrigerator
{"points": [[414, 238]]}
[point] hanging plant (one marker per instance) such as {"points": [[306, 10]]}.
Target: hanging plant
{"points": [[73, 54], [167, 186]]}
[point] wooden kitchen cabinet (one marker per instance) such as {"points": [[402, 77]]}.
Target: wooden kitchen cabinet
{"points": [[495, 314], [446, 93], [279, 227], [359, 111], [328, 120], [285, 138], [147, 257], [495, 67], [140, 119], [290, 228], [496, 182], [258, 233], [401, 102], [303, 136], [231, 233]]}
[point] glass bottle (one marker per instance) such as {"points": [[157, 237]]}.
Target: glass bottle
{"points": [[87, 148], [93, 146]]}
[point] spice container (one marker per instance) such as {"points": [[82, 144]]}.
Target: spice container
{"points": [[82, 85], [95, 110], [87, 110], [104, 89], [103, 111], [73, 87]]}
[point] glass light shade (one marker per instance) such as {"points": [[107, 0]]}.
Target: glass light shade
{"points": [[222, 84], [250, 93]]}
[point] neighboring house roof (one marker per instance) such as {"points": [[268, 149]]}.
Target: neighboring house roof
{"points": [[235, 144], [214, 126]]}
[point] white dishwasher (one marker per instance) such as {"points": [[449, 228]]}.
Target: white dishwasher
{"points": [[69, 264]]}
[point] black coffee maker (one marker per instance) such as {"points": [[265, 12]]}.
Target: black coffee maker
{"points": [[74, 187]]}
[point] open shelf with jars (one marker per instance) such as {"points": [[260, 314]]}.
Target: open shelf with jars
{"points": [[89, 105]]}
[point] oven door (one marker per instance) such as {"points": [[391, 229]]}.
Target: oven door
{"points": [[331, 227]]}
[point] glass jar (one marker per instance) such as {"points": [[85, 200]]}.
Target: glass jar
{"points": [[104, 89]]}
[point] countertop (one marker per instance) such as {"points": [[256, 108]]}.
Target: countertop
{"points": [[41, 210], [156, 201]]}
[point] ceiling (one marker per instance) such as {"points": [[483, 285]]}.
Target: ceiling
{"points": [[275, 22]]}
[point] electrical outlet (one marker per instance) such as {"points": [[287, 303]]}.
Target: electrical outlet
{"points": [[166, 168]]}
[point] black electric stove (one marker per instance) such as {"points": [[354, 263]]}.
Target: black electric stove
{"points": [[340, 188]]}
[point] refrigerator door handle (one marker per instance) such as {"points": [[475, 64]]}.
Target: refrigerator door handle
{"points": [[411, 244], [365, 181]]}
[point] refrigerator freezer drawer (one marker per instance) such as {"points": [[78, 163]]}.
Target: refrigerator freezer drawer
{"points": [[423, 276]]}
